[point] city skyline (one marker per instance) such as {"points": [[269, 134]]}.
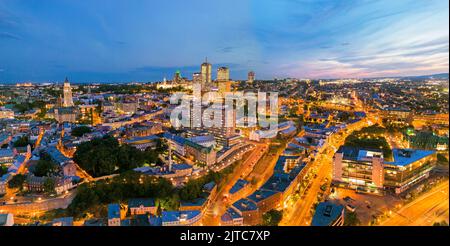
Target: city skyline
{"points": [[143, 41]]}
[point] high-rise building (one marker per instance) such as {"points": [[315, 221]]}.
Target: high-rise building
{"points": [[197, 78], [206, 72], [177, 77], [223, 74], [251, 77], [68, 101]]}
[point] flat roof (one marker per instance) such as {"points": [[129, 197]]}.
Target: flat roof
{"points": [[230, 214], [113, 211], [56, 155], [404, 157], [260, 195], [245, 204], [137, 202], [326, 213], [240, 184], [172, 216]]}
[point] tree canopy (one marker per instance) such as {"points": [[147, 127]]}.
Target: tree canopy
{"points": [[121, 188], [272, 217], [104, 156], [80, 131], [17, 181], [22, 141]]}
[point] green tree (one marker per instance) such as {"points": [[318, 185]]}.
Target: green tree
{"points": [[272, 217], [17, 181], [49, 185]]}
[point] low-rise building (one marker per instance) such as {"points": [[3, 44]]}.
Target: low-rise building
{"points": [[6, 219], [231, 218], [328, 214], [114, 214], [181, 218], [240, 187], [196, 204], [248, 210], [366, 169], [7, 156], [266, 200]]}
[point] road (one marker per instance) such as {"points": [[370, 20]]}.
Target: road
{"points": [[36, 207], [431, 207], [217, 207], [299, 213]]}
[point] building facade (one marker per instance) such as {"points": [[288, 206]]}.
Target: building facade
{"points": [[366, 169], [67, 90]]}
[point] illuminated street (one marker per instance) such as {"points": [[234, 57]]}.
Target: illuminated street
{"points": [[431, 207]]}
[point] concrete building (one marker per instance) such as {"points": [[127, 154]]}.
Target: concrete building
{"points": [[250, 77], [249, 211], [197, 78], [142, 206], [366, 169], [328, 214], [6, 113], [205, 70], [231, 218], [223, 74], [181, 218], [114, 215]]}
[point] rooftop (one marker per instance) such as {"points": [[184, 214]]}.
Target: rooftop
{"points": [[56, 155], [404, 157], [240, 184], [6, 153], [326, 214], [260, 195], [359, 154], [195, 202], [245, 204], [137, 202], [230, 214], [209, 186]]}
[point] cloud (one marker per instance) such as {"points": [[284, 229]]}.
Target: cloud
{"points": [[227, 49], [7, 35]]}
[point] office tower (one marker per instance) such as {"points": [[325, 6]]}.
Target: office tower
{"points": [[206, 72], [177, 77], [223, 74], [251, 77], [68, 101]]}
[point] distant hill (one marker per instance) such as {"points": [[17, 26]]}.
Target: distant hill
{"points": [[431, 76]]}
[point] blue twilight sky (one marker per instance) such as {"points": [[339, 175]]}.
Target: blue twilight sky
{"points": [[138, 40]]}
